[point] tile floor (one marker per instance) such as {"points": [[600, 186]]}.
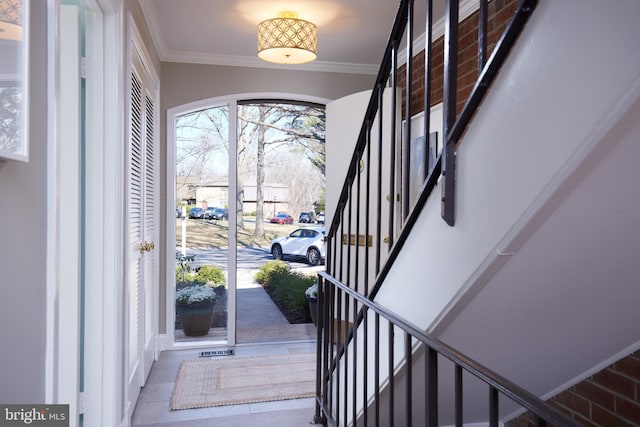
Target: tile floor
{"points": [[152, 408], [263, 330]]}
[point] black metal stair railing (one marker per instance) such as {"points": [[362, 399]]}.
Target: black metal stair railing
{"points": [[347, 396], [369, 229], [375, 214]]}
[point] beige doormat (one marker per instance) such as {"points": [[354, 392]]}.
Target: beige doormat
{"points": [[236, 380]]}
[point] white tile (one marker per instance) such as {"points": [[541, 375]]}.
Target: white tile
{"points": [[152, 408], [158, 412], [156, 393], [281, 405]]}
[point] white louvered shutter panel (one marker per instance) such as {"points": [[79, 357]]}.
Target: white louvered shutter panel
{"points": [[135, 212], [150, 214]]}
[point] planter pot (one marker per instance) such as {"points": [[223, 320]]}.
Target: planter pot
{"points": [[195, 318], [313, 308]]}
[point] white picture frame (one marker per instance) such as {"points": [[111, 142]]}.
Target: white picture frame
{"points": [[417, 147], [14, 80]]}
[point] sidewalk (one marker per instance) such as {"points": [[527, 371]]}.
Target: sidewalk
{"points": [[260, 320]]}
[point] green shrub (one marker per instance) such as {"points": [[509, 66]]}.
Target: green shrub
{"points": [[211, 275], [286, 287], [289, 290], [270, 271], [184, 276]]}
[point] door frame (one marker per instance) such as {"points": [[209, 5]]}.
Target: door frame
{"points": [[102, 339], [167, 341]]}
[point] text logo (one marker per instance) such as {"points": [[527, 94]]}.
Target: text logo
{"points": [[34, 415]]}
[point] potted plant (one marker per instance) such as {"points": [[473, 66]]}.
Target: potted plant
{"points": [[312, 298], [209, 275], [194, 305]]}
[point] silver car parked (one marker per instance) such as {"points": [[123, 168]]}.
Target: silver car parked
{"points": [[307, 243]]}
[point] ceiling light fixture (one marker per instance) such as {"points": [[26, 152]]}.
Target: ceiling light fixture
{"points": [[287, 39], [11, 20]]}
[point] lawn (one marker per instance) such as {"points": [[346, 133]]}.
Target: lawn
{"points": [[213, 233]]}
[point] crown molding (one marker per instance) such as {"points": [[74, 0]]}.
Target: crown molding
{"points": [[255, 62], [467, 8], [151, 19]]}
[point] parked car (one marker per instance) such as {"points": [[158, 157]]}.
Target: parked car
{"points": [[306, 217], [220, 213], [307, 243], [208, 213], [196, 213], [320, 219], [282, 218]]}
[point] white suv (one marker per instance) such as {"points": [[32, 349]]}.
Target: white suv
{"points": [[307, 243]]}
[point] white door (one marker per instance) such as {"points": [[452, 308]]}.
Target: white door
{"points": [[142, 211], [344, 119]]}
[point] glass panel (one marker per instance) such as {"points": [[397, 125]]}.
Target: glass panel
{"points": [[280, 176], [13, 79], [202, 227]]}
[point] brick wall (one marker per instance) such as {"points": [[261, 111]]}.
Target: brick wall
{"points": [[500, 13], [609, 398]]}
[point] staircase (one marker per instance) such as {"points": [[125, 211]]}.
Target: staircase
{"points": [[468, 281]]}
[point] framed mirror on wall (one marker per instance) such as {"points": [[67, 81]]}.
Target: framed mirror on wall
{"points": [[14, 91]]}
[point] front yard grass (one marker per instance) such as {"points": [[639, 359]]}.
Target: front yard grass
{"points": [[213, 233]]}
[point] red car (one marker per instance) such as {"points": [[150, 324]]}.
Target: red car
{"points": [[282, 218]]}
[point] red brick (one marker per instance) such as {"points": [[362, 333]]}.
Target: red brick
{"points": [[524, 420], [498, 4], [629, 366], [469, 79], [615, 382], [595, 394], [469, 39], [628, 410], [565, 410], [574, 402], [503, 16], [586, 422], [467, 67], [605, 418]]}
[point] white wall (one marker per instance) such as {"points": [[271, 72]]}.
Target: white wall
{"points": [[23, 202], [344, 120], [535, 124], [555, 111]]}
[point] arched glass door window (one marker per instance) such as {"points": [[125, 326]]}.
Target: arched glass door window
{"points": [[229, 182]]}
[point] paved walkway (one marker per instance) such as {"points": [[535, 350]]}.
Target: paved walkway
{"points": [[260, 320]]}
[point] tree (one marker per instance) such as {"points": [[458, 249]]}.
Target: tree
{"points": [[259, 230], [202, 149], [301, 127], [10, 112], [265, 130]]}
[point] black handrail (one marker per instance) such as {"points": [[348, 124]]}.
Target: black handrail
{"points": [[343, 271], [328, 287], [452, 133]]}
